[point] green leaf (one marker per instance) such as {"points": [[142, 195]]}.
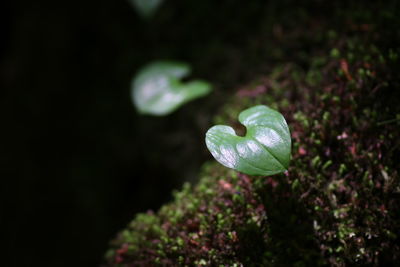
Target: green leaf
{"points": [[157, 89], [146, 8], [265, 150]]}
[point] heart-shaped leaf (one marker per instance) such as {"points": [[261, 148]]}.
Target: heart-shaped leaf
{"points": [[146, 8], [265, 150], [157, 89]]}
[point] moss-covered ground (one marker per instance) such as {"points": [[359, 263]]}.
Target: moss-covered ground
{"points": [[335, 79]]}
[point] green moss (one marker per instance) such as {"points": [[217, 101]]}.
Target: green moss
{"points": [[337, 205]]}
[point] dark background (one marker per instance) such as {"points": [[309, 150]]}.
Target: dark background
{"points": [[77, 161]]}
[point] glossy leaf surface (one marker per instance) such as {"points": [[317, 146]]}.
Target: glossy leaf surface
{"points": [[146, 8], [265, 150], [157, 89]]}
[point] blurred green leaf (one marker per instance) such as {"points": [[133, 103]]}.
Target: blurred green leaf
{"points": [[157, 89], [146, 8], [265, 150]]}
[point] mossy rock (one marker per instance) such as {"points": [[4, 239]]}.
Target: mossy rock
{"points": [[339, 202]]}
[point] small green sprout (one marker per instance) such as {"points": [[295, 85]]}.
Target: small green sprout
{"points": [[265, 150], [157, 89], [146, 8]]}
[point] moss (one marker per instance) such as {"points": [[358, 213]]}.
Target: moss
{"points": [[337, 204], [182, 228]]}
